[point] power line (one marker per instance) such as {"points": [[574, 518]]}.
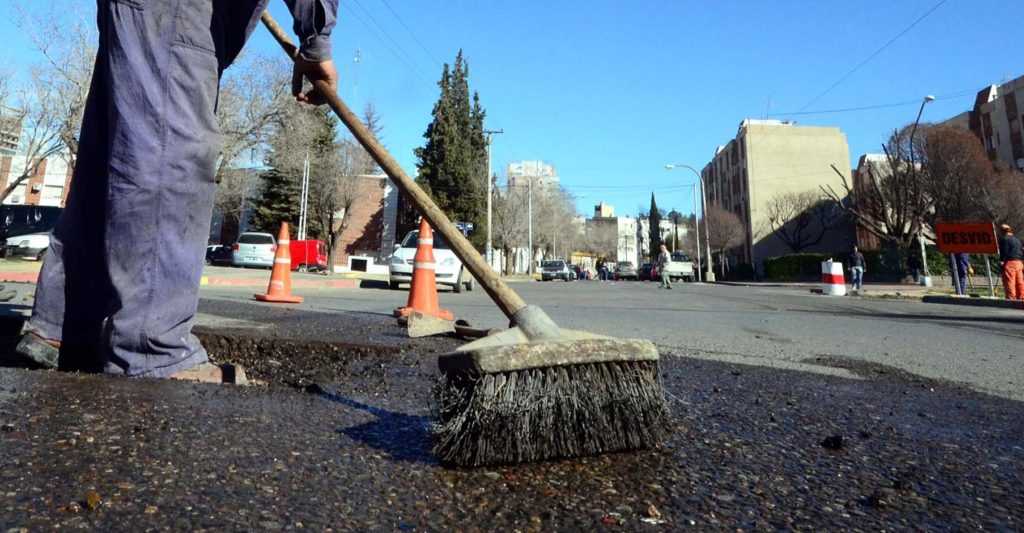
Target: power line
{"points": [[413, 68], [411, 34], [877, 106], [392, 39], [872, 56]]}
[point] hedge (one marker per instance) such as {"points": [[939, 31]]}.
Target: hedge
{"points": [[882, 265]]}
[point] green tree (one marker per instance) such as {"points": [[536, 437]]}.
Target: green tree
{"points": [[654, 221], [302, 130], [451, 165]]}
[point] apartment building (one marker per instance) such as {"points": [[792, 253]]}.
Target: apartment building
{"points": [[48, 185], [996, 120], [767, 158], [541, 174], [616, 238], [10, 134]]}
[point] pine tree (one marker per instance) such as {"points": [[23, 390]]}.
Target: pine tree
{"points": [[278, 201], [451, 165], [654, 220], [307, 130]]}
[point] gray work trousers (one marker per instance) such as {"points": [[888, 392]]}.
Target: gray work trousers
{"points": [[123, 268]]}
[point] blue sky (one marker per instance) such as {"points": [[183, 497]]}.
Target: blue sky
{"points": [[610, 91]]}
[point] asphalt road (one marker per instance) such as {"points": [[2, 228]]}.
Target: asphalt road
{"points": [[776, 327], [336, 439]]}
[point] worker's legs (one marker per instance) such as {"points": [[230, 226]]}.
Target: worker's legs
{"points": [[857, 277], [666, 281], [73, 293], [1013, 279], [132, 242]]}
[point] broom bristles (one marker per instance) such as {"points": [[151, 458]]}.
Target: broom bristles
{"points": [[549, 413]]}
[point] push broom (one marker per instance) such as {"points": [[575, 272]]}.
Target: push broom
{"points": [[535, 391]]}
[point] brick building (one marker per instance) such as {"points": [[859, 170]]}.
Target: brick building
{"points": [[48, 185], [996, 120]]}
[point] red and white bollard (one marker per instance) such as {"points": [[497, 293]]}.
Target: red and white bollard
{"points": [[832, 281]]}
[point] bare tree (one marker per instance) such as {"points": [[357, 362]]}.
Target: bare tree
{"points": [[891, 201], [66, 41], [725, 230], [955, 170], [800, 219], [42, 123], [602, 238], [253, 94], [1002, 197], [510, 223], [48, 108]]}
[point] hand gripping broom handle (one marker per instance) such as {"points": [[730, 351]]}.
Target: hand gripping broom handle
{"points": [[507, 300]]}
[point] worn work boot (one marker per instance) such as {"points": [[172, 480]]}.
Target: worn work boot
{"points": [[39, 351], [211, 373]]}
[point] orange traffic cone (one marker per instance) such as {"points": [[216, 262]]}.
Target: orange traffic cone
{"points": [[280, 288], [423, 292]]}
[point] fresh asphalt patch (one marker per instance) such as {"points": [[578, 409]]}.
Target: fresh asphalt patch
{"points": [[337, 437]]}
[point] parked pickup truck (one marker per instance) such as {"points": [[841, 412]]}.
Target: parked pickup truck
{"points": [[680, 267]]}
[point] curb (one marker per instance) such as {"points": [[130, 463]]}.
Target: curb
{"points": [[296, 283], [19, 277], [974, 302]]}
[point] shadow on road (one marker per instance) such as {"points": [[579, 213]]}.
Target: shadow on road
{"points": [[403, 437], [374, 284]]}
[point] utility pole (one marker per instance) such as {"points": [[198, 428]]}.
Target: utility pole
{"points": [[304, 201], [529, 225], [489, 250]]}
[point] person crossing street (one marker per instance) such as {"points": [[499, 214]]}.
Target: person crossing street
{"points": [[662, 266]]}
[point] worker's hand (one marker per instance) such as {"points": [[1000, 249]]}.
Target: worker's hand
{"points": [[314, 70]]}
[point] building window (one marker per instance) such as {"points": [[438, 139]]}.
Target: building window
{"points": [[990, 143], [1014, 125]]}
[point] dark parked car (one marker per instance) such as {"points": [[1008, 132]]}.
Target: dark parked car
{"points": [[219, 255], [626, 270], [647, 272], [18, 220]]}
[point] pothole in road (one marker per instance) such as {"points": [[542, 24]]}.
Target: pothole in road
{"points": [[297, 363]]}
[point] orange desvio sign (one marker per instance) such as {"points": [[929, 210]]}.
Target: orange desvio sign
{"points": [[967, 237]]}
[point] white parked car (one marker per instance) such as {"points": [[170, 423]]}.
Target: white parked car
{"points": [[448, 269], [32, 246], [680, 267]]}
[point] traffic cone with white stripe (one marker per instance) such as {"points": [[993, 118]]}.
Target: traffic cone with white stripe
{"points": [[423, 291], [280, 288]]}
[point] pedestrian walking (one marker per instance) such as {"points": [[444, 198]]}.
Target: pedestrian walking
{"points": [[857, 268], [1012, 256], [602, 269], [119, 284], [914, 264], [661, 265]]}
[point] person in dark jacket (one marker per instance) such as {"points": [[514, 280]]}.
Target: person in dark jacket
{"points": [[914, 265], [962, 265], [1012, 256], [119, 284], [857, 268]]}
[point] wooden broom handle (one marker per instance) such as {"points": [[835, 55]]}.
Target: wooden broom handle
{"points": [[506, 299]]}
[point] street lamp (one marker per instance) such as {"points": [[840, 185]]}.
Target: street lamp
{"points": [[708, 274], [926, 280]]}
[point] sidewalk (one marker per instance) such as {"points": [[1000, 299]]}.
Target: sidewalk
{"points": [[20, 271], [939, 293]]}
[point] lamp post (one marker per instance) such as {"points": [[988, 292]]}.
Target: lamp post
{"points": [[708, 274], [926, 280], [489, 249]]}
